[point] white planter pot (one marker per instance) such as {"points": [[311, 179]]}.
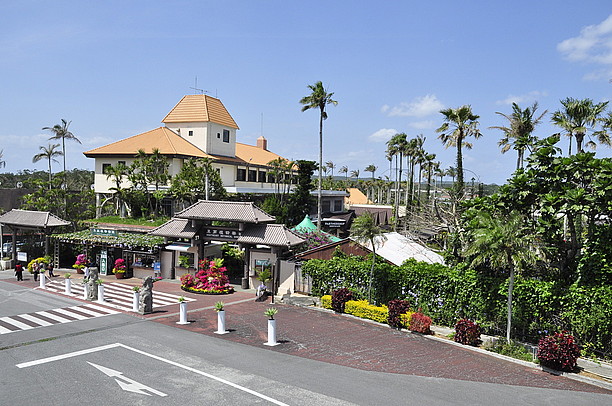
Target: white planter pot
{"points": [[84, 291], [271, 333], [100, 293], [42, 281], [182, 313], [221, 323], [135, 302], [68, 286]]}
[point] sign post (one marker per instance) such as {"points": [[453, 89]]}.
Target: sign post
{"points": [[103, 262]]}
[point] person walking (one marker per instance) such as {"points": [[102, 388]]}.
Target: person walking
{"points": [[50, 270], [35, 270], [19, 272]]}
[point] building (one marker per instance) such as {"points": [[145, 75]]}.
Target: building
{"points": [[199, 126]]}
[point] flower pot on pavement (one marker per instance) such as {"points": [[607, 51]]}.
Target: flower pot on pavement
{"points": [[221, 323], [271, 333], [68, 286], [135, 301], [100, 293], [182, 313]]}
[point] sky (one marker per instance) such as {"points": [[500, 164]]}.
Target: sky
{"points": [[116, 68]]}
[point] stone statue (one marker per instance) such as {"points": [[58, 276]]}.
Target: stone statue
{"points": [[145, 305], [92, 285]]}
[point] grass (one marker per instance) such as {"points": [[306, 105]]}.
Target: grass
{"points": [[130, 221], [513, 350]]}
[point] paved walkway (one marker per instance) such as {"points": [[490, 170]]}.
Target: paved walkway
{"points": [[344, 340]]}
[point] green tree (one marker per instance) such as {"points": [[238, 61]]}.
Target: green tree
{"points": [[319, 98], [49, 153], [117, 174], [372, 169], [331, 166], [502, 242], [518, 135], [459, 124], [300, 201], [365, 230], [197, 179], [60, 131], [2, 161], [578, 117]]}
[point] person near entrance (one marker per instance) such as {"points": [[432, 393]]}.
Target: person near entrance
{"points": [[35, 270], [19, 272], [50, 270]]}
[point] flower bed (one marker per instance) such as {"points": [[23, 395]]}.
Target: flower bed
{"points": [[210, 279]]}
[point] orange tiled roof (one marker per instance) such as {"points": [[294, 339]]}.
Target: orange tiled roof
{"points": [[167, 141], [254, 155], [200, 108]]}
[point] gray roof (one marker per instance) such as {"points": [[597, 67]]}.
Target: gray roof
{"points": [[32, 219], [176, 228], [396, 249], [275, 235], [240, 212]]}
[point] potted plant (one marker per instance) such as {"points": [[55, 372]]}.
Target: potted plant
{"points": [[119, 269], [100, 282], [220, 309], [184, 261], [80, 263], [182, 311], [68, 283], [135, 298], [270, 312]]}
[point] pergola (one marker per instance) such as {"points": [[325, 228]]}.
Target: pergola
{"points": [[42, 221]]}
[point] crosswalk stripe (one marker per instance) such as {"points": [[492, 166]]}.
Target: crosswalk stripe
{"points": [[71, 314], [16, 323], [53, 317], [35, 319]]}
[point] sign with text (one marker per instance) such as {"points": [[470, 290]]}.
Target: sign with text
{"points": [[221, 233], [103, 262], [103, 231]]}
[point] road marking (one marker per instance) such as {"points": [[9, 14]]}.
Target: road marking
{"points": [[176, 364], [129, 385], [16, 323]]}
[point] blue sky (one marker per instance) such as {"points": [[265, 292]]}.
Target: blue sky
{"points": [[115, 68]]}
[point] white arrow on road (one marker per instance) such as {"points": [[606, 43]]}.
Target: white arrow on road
{"points": [[127, 384]]}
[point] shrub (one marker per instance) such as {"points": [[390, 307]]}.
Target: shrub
{"points": [[467, 332], [365, 310], [514, 350], [339, 299], [558, 351], [326, 301], [421, 323], [397, 307], [405, 318]]}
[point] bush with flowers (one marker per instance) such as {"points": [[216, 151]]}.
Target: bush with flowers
{"points": [[119, 266], [42, 262], [81, 262], [210, 279]]}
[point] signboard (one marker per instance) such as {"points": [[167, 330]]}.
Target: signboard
{"points": [[103, 262], [221, 233], [333, 223], [22, 256], [103, 231]]}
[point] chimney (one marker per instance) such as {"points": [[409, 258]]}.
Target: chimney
{"points": [[262, 143]]}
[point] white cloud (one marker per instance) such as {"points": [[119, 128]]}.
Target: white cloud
{"points": [[422, 125], [523, 98], [419, 107], [382, 135], [593, 45]]}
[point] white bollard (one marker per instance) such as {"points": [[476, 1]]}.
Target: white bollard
{"points": [[85, 291], [183, 313], [221, 323], [100, 293], [271, 333], [68, 286], [42, 281], [135, 301]]}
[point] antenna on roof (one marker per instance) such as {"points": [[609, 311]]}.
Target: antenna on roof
{"points": [[195, 88]]}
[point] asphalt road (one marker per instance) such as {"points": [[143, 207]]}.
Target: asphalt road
{"points": [[120, 359]]}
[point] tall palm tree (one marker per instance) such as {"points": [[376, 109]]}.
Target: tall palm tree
{"points": [[518, 134], [2, 161], [396, 147], [60, 131], [344, 170], [502, 242], [578, 117], [365, 230], [319, 98], [49, 153], [117, 173], [331, 166], [459, 124], [372, 169], [355, 174]]}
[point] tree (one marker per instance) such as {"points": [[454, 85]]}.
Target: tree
{"points": [[2, 161], [344, 170], [197, 180], [372, 169], [355, 174], [365, 230], [319, 98], [300, 200], [331, 166], [396, 147], [518, 135], [117, 173], [49, 153], [502, 242], [60, 131], [459, 124], [578, 117]]}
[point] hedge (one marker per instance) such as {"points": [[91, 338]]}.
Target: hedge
{"points": [[361, 308]]}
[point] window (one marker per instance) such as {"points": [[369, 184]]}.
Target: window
{"points": [[105, 167], [191, 133], [218, 135], [261, 177], [338, 205], [241, 174], [121, 163], [270, 177], [226, 135], [252, 175], [325, 206]]}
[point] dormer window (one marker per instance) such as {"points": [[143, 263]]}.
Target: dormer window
{"points": [[191, 133], [226, 135]]}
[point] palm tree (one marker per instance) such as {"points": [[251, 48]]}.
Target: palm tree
{"points": [[577, 118], [319, 98], [502, 242], [355, 174], [459, 124], [2, 161], [60, 131], [372, 169], [396, 146], [344, 170], [365, 230], [117, 173], [518, 133], [330, 165], [49, 153]]}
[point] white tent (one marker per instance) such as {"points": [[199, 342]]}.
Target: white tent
{"points": [[398, 248]]}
